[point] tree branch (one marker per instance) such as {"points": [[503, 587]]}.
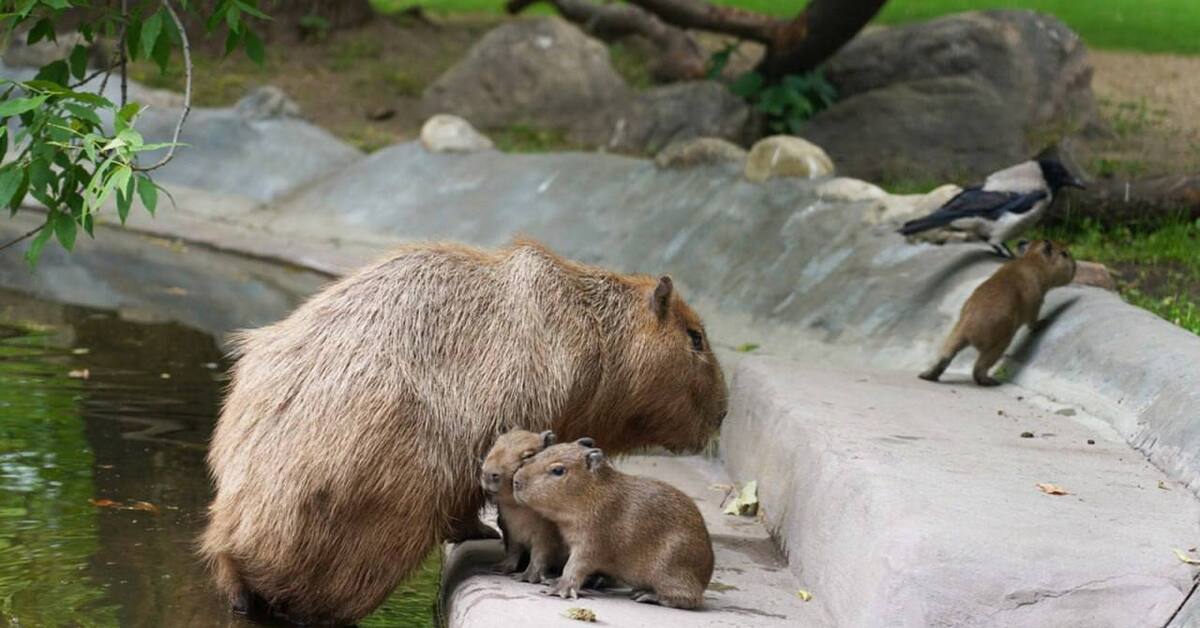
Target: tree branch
{"points": [[21, 238], [682, 58], [124, 63], [187, 90], [718, 19]]}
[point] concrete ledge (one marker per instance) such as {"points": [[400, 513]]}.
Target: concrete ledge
{"points": [[751, 587], [904, 503]]}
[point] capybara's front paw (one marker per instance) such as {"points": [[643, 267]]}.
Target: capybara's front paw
{"points": [[565, 589], [532, 575], [508, 565]]}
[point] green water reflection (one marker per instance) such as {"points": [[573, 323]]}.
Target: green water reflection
{"points": [[98, 409]]}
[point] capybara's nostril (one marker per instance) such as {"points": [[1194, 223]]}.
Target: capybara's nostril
{"points": [[494, 477], [517, 484]]}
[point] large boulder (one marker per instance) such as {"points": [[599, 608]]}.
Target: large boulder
{"points": [[547, 73], [955, 97], [659, 116], [542, 72]]}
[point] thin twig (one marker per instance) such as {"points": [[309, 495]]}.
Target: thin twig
{"points": [[88, 79], [124, 57], [21, 238], [187, 90]]}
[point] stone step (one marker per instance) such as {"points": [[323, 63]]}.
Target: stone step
{"points": [[752, 586], [906, 503]]}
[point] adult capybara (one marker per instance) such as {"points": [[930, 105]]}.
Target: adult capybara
{"points": [[351, 439]]}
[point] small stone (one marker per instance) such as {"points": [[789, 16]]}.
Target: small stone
{"points": [[381, 114], [445, 133], [1026, 434], [699, 151], [787, 156], [1091, 441], [265, 103], [1095, 275], [1065, 412]]}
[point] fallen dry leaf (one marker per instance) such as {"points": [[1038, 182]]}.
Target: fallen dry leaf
{"points": [[1052, 489], [80, 374], [164, 375], [580, 614], [145, 506], [1184, 558], [81, 351], [176, 291], [746, 502], [103, 503], [804, 595], [1163, 485]]}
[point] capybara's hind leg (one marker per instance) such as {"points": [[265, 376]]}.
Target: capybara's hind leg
{"points": [[950, 348], [225, 573], [987, 359]]}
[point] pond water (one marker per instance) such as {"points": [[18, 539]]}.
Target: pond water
{"points": [[103, 486]]}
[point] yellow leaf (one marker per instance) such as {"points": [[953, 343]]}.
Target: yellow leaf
{"points": [[746, 502], [804, 595], [1052, 489], [580, 614], [1184, 558], [80, 374], [146, 506], [103, 503]]}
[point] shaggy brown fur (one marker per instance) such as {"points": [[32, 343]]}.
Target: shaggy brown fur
{"points": [[1010, 298], [642, 532], [524, 529], [351, 438]]}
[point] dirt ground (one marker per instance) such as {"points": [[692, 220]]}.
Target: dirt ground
{"points": [[1151, 103]]}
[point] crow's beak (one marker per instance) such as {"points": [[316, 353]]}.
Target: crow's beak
{"points": [[1076, 183]]}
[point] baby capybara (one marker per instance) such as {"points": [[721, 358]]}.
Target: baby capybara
{"points": [[351, 438]]}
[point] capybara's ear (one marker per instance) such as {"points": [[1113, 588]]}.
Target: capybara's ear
{"points": [[548, 439], [595, 458], [503, 429], [1021, 246], [1047, 248], [662, 296], [586, 441]]}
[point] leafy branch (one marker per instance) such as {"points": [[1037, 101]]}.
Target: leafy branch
{"points": [[73, 149]]}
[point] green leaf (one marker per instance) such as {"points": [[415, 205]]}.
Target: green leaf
{"points": [[18, 106], [64, 229], [18, 197], [148, 192], [40, 175], [42, 29], [126, 116], [10, 180], [233, 18], [151, 28], [747, 85], [251, 9], [124, 202], [3, 143], [254, 47], [162, 53], [39, 242], [88, 225], [56, 72], [57, 4], [231, 41], [83, 113], [78, 61], [133, 39]]}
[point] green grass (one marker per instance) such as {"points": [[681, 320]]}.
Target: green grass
{"points": [[1158, 267], [1144, 25]]}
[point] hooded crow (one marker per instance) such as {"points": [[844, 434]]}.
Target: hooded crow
{"points": [[1009, 202]]}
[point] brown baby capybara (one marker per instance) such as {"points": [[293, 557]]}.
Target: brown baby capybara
{"points": [[351, 438], [1010, 298], [525, 531], [642, 532]]}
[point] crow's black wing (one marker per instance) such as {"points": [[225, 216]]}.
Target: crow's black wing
{"points": [[975, 202]]}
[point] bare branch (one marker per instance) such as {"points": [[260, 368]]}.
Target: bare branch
{"points": [[124, 62], [682, 57], [187, 90], [21, 238], [718, 19], [88, 79]]}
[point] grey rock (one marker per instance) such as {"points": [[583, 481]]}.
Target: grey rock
{"points": [[267, 102], [542, 72], [20, 54], [445, 133], [700, 151], [954, 97], [660, 116]]}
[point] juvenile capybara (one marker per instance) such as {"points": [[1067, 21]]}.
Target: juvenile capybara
{"points": [[525, 531], [1010, 298], [351, 437], [642, 532]]}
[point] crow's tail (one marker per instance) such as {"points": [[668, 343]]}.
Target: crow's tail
{"points": [[924, 224]]}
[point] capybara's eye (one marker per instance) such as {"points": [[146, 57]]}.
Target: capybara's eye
{"points": [[697, 339], [527, 455], [558, 470]]}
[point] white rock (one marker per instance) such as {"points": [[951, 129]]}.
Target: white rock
{"points": [[787, 156], [445, 133], [845, 189]]}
